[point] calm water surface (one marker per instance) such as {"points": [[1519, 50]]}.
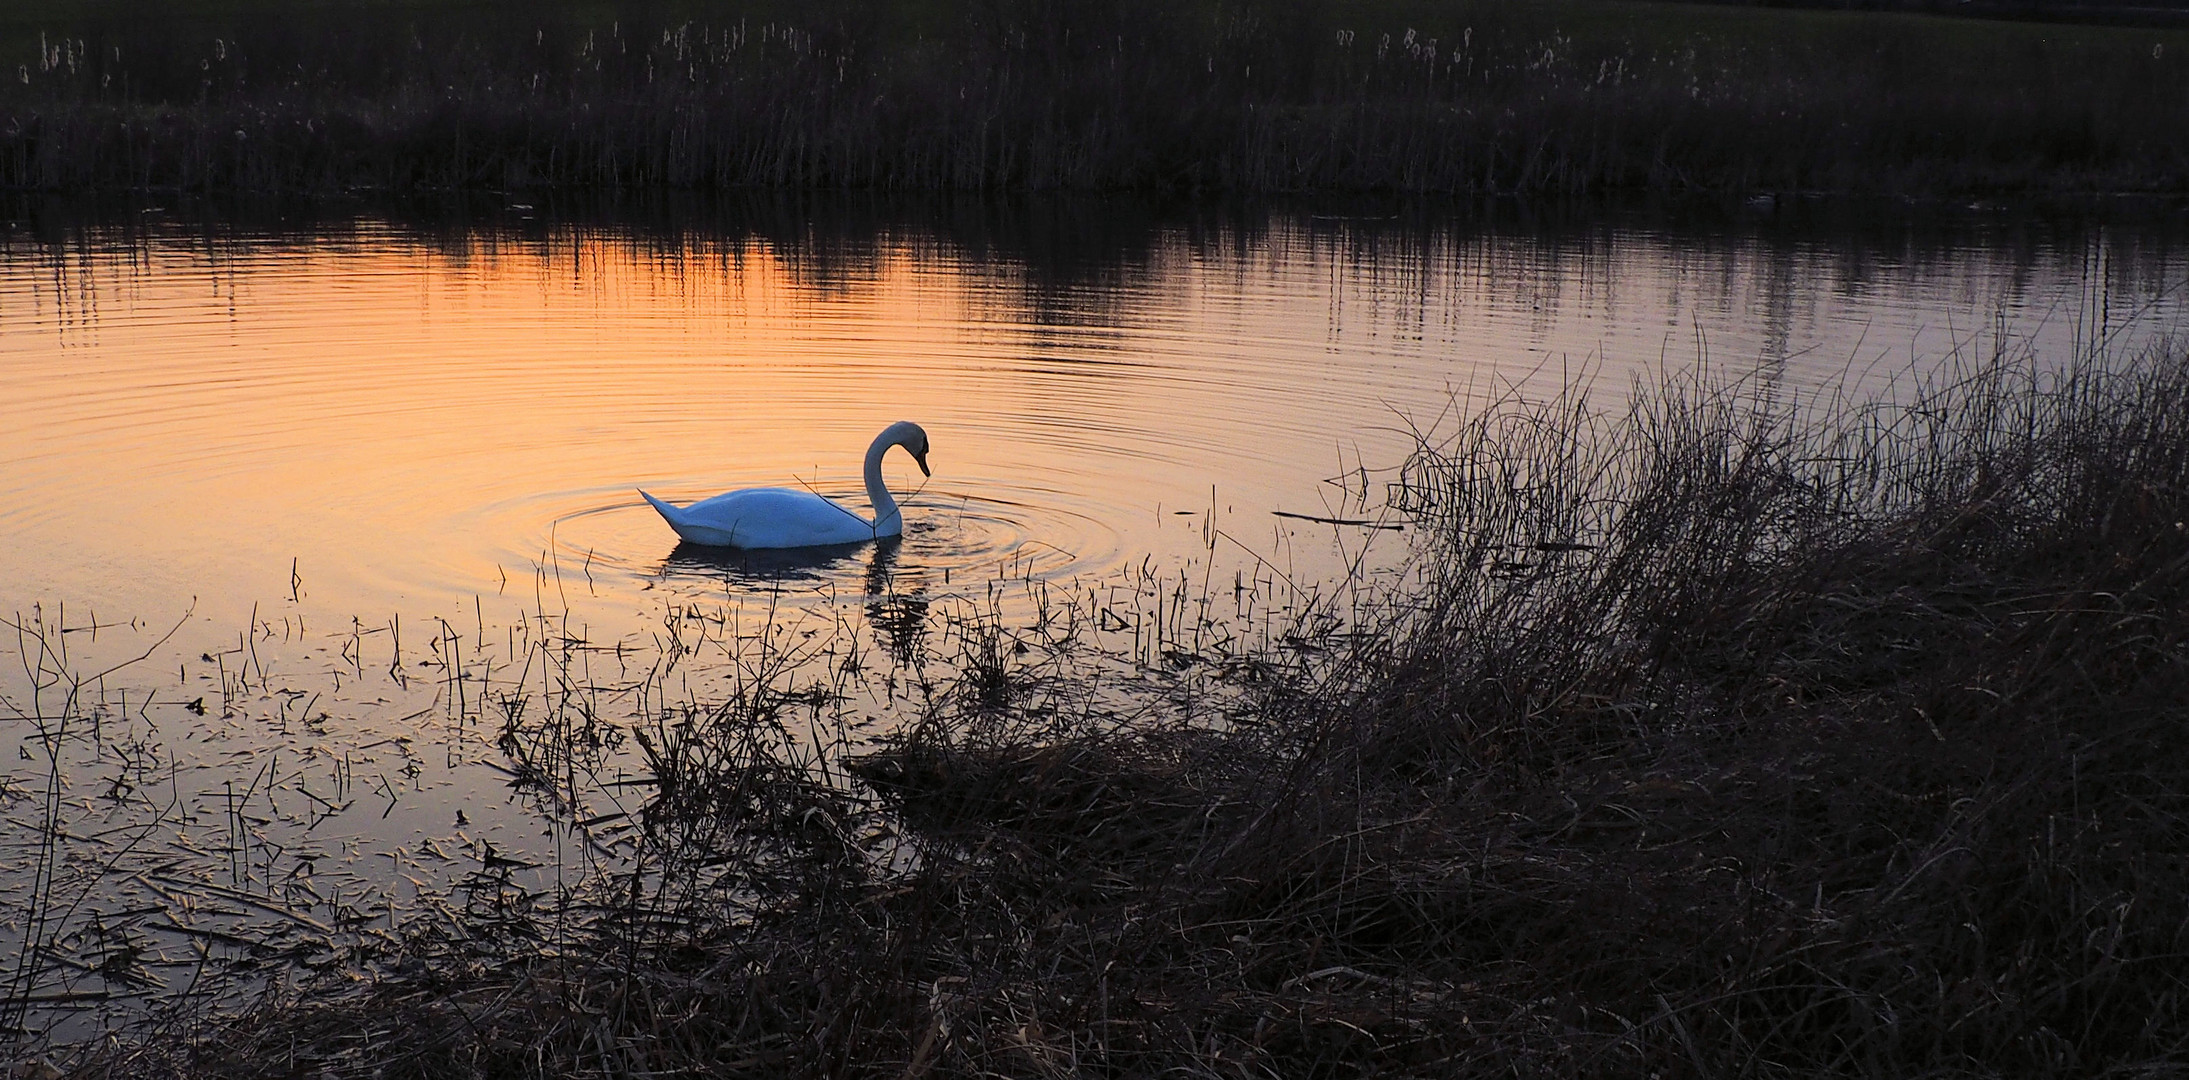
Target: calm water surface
{"points": [[408, 420], [349, 465]]}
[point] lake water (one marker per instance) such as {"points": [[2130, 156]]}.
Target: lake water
{"points": [[338, 490]]}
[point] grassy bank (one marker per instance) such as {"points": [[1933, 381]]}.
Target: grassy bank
{"points": [[1572, 96], [1708, 740]]}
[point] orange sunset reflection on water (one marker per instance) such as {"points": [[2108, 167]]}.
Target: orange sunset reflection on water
{"points": [[413, 420]]}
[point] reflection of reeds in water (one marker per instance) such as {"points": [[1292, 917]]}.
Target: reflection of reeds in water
{"points": [[689, 778], [1479, 97], [54, 707], [1715, 738]]}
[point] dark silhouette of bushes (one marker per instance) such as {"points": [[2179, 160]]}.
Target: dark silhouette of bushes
{"points": [[1094, 95]]}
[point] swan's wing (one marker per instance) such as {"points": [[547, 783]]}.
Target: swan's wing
{"points": [[769, 518]]}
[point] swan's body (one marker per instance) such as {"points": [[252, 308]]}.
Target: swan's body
{"points": [[788, 517]]}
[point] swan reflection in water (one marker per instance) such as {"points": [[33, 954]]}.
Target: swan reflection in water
{"points": [[776, 566], [898, 614], [898, 617]]}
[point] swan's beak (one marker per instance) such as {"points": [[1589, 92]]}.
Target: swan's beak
{"points": [[921, 457]]}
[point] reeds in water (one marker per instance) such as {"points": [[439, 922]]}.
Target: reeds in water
{"points": [[1721, 735]]}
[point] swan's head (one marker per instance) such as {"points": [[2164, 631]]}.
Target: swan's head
{"points": [[909, 435]]}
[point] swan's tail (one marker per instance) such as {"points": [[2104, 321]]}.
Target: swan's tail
{"points": [[669, 513]]}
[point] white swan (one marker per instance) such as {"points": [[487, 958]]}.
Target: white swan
{"points": [[790, 518]]}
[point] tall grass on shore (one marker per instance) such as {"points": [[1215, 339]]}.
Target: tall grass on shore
{"points": [[1716, 738], [1577, 96]]}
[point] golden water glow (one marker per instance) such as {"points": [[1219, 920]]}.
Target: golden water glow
{"points": [[413, 420]]}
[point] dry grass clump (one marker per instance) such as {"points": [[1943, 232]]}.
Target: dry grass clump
{"points": [[1812, 747], [1717, 739]]}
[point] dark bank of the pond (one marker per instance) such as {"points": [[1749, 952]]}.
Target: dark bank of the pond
{"points": [[1570, 96], [1713, 740]]}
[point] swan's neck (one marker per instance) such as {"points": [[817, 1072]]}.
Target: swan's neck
{"points": [[887, 521]]}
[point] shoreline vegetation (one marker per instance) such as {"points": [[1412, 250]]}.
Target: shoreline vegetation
{"points": [[1721, 736], [1563, 97]]}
